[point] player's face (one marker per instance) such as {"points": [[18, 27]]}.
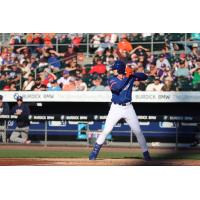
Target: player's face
{"points": [[115, 72], [19, 102]]}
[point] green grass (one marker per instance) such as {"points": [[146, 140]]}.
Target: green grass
{"points": [[84, 154]]}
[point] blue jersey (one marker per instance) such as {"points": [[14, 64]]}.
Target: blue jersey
{"points": [[22, 120], [122, 89]]}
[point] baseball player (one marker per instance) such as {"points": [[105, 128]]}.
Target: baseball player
{"points": [[121, 87], [20, 134], [4, 110]]}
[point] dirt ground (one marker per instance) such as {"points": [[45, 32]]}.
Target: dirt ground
{"points": [[98, 162]]}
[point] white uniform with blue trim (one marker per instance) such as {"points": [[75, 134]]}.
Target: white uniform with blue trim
{"points": [[121, 107]]}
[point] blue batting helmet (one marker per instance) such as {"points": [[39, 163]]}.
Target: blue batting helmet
{"points": [[119, 66]]}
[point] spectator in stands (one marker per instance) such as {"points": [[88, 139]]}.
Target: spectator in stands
{"points": [[69, 54], [155, 86], [187, 60], [99, 68], [6, 87], [164, 73], [150, 57], [139, 86], [80, 85], [182, 75], [13, 87], [95, 42], [38, 86], [168, 85], [166, 53], [107, 53], [109, 63], [37, 42], [72, 66], [47, 76], [99, 55], [162, 61], [76, 41], [26, 69], [196, 78], [152, 70], [194, 54], [134, 61], [53, 61], [140, 51], [182, 70], [113, 39], [29, 38], [43, 63], [134, 58], [29, 83], [97, 84], [64, 80], [33, 63], [142, 60], [9, 59], [71, 86], [140, 68], [63, 39], [14, 75], [53, 86], [23, 53], [124, 45], [47, 38], [3, 59]]}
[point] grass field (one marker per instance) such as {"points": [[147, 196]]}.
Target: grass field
{"points": [[29, 153]]}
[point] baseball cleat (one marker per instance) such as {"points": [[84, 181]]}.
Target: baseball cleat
{"points": [[146, 156], [93, 155]]}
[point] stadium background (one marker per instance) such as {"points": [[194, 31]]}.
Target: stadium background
{"points": [[174, 47]]}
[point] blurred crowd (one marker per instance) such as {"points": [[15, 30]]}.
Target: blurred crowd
{"points": [[57, 62]]}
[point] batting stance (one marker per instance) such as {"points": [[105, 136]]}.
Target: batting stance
{"points": [[121, 107]]}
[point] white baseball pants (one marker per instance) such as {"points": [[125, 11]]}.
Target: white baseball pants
{"points": [[20, 135], [118, 112]]}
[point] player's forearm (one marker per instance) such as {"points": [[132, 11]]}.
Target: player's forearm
{"points": [[140, 76]]}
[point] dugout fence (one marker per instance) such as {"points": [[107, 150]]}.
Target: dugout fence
{"points": [[45, 131]]}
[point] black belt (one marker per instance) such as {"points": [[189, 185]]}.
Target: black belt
{"points": [[123, 104]]}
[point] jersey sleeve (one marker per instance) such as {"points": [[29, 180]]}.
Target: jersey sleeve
{"points": [[117, 86], [140, 76]]}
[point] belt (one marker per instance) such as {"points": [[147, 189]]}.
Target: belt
{"points": [[122, 104]]}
